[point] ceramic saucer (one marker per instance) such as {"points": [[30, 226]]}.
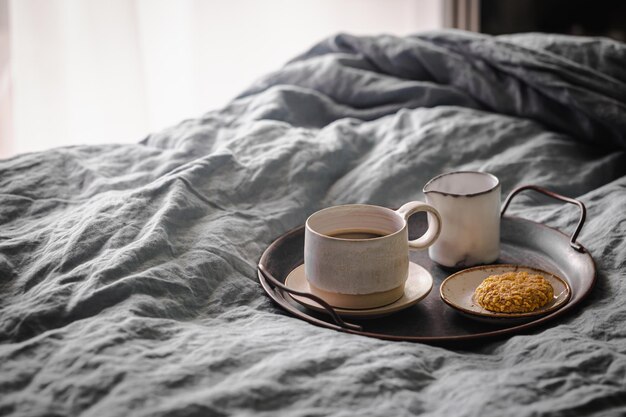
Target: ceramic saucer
{"points": [[417, 286], [458, 292]]}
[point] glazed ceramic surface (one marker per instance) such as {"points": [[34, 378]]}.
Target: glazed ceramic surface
{"points": [[458, 291], [469, 205], [418, 285], [363, 266]]}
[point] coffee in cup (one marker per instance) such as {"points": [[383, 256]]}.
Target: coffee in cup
{"points": [[357, 255]]}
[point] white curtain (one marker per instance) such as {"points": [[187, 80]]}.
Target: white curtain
{"points": [[102, 71]]}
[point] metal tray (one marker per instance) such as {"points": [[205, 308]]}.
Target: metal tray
{"points": [[431, 321]]}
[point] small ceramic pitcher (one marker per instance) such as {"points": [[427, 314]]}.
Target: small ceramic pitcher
{"points": [[469, 205]]}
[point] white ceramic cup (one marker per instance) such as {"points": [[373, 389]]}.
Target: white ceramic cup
{"points": [[469, 205], [362, 273]]}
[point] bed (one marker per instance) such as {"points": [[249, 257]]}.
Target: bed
{"points": [[128, 281]]}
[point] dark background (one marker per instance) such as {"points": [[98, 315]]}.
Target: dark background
{"points": [[572, 17]]}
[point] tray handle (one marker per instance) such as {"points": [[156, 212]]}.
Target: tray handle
{"points": [[276, 283], [583, 210]]}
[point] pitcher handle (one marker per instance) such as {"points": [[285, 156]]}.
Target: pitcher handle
{"points": [[583, 210]]}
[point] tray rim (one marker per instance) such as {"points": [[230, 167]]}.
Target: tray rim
{"points": [[280, 299]]}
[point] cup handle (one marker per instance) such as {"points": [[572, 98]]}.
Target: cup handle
{"points": [[434, 229]]}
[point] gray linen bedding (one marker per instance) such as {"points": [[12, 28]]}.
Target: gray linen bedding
{"points": [[127, 272]]}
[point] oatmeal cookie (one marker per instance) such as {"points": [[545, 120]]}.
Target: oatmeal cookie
{"points": [[514, 292]]}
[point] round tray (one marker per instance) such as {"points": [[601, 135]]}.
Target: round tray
{"points": [[431, 321]]}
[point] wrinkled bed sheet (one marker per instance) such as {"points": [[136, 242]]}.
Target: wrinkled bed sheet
{"points": [[127, 272]]}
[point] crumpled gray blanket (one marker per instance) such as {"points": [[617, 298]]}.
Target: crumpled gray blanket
{"points": [[127, 272]]}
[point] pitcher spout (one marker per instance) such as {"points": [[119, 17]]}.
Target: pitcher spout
{"points": [[462, 184]]}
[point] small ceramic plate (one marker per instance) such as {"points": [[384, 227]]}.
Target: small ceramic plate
{"points": [[417, 286], [458, 292]]}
